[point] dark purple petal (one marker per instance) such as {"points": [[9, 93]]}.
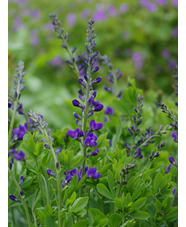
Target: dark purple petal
{"points": [[171, 160]]}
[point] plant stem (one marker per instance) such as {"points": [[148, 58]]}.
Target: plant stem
{"points": [[84, 123], [42, 195], [58, 186], [48, 201], [12, 123], [22, 198]]}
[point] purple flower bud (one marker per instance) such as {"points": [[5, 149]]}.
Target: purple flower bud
{"points": [[64, 46], [109, 110], [76, 115], [168, 169], [127, 146], [75, 102], [174, 191], [58, 150], [12, 197], [74, 49], [57, 164], [21, 180], [81, 81], [20, 112], [171, 160], [175, 136], [119, 94], [119, 76], [13, 150], [98, 107], [21, 192], [49, 172]]}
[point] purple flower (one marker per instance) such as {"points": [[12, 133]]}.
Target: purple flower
{"points": [[151, 7], [123, 8], [174, 191], [138, 60], [175, 32], [58, 150], [168, 169], [18, 133], [67, 179], [34, 38], [175, 3], [172, 64], [175, 136], [100, 15], [166, 54], [112, 10], [95, 126], [20, 156], [91, 173], [85, 13], [171, 160], [162, 2], [13, 150], [97, 106], [49, 172], [56, 61], [90, 140], [21, 181], [71, 19], [17, 24], [12, 197], [109, 110], [76, 103], [76, 134]]}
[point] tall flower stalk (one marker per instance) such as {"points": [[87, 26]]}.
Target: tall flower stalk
{"points": [[14, 101], [42, 126], [87, 95]]}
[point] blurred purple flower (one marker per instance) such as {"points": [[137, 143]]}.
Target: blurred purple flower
{"points": [[175, 32], [166, 54], [21, 2], [34, 38], [36, 14], [17, 24], [175, 3], [100, 15], [109, 110], [172, 64], [20, 156], [85, 13], [175, 136], [112, 10], [125, 35], [71, 19], [123, 8], [162, 2], [56, 61], [151, 7], [138, 60]]}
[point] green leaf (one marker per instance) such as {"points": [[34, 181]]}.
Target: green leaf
{"points": [[117, 135], [118, 203], [172, 214], [115, 220], [82, 223], [158, 181], [27, 182], [111, 183], [104, 191], [49, 221], [142, 215], [97, 218], [158, 205], [102, 141], [129, 223], [138, 204], [79, 204], [76, 161]]}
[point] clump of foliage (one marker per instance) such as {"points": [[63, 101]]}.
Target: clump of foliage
{"points": [[111, 170]]}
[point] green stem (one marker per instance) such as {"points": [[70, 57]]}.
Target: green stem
{"points": [[46, 188], [58, 186], [13, 217], [12, 123], [22, 198]]}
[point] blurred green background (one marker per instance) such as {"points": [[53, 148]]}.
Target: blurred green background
{"points": [[139, 36]]}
